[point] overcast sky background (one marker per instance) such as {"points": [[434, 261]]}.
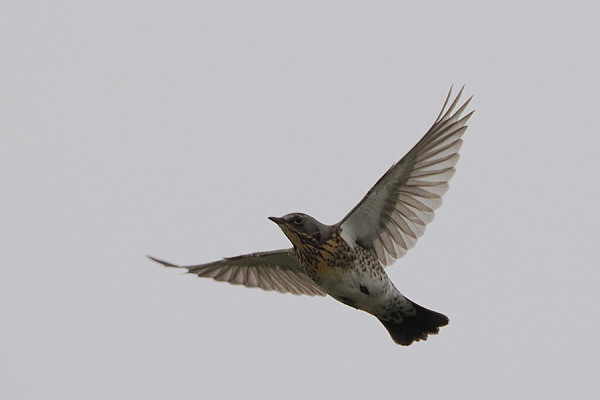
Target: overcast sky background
{"points": [[175, 129]]}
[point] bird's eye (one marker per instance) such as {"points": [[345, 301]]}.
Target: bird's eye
{"points": [[297, 220]]}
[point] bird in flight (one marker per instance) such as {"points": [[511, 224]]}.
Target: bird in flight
{"points": [[346, 260]]}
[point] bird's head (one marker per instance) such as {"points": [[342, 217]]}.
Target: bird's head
{"points": [[302, 229]]}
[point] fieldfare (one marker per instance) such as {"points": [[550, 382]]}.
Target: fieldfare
{"points": [[347, 260]]}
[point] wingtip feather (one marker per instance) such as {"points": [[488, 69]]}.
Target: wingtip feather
{"points": [[164, 263]]}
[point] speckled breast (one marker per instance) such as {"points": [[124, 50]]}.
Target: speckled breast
{"points": [[334, 256]]}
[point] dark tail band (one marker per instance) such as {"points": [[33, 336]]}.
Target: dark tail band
{"points": [[416, 327]]}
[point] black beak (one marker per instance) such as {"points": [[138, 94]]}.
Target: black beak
{"points": [[277, 220]]}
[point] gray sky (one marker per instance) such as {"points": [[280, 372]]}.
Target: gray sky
{"points": [[134, 128]]}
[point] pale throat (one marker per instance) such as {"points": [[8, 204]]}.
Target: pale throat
{"points": [[293, 237]]}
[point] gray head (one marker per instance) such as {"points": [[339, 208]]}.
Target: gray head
{"points": [[302, 229]]}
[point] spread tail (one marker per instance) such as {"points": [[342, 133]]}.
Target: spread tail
{"points": [[415, 327]]}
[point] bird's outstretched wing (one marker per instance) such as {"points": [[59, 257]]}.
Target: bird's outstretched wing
{"points": [[273, 270], [393, 214]]}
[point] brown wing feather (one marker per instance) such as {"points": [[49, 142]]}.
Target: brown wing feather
{"points": [[393, 214], [273, 270]]}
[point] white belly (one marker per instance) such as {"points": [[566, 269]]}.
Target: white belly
{"points": [[358, 289]]}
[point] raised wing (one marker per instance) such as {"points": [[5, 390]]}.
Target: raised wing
{"points": [[273, 270], [393, 214]]}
